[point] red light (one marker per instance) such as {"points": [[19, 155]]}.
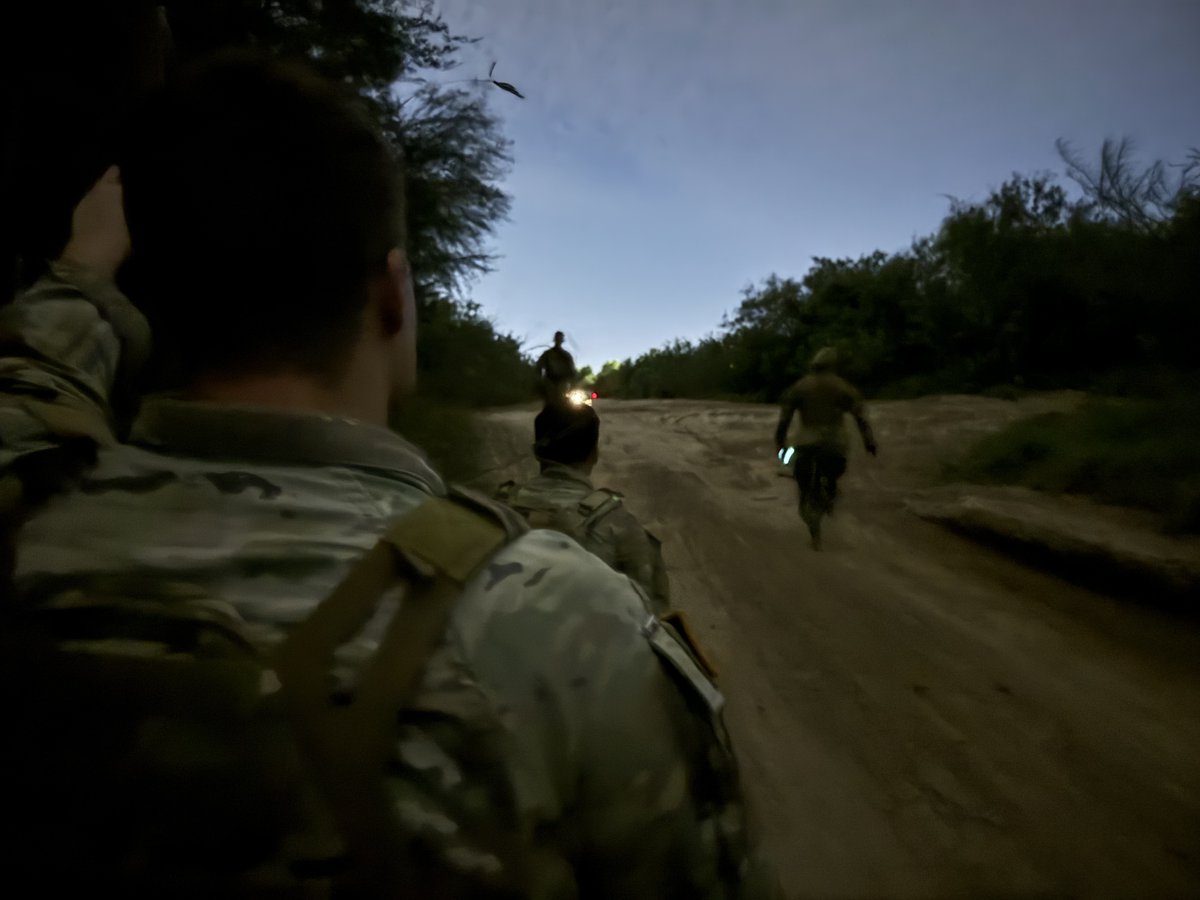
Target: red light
{"points": [[595, 396]]}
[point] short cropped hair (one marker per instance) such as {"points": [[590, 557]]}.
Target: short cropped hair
{"points": [[566, 434], [261, 199]]}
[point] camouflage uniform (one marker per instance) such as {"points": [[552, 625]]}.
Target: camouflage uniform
{"points": [[563, 498], [822, 399], [554, 714]]}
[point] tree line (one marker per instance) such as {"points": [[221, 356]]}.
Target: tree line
{"points": [[1028, 288]]}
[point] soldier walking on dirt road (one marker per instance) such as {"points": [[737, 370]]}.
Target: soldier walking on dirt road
{"points": [[822, 398], [556, 369]]}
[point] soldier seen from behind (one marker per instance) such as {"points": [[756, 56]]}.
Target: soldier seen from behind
{"points": [[556, 371], [822, 398], [562, 497], [211, 687]]}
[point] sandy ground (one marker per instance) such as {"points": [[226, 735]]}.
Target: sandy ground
{"points": [[916, 715]]}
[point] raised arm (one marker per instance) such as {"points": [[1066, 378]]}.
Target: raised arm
{"points": [[64, 341]]}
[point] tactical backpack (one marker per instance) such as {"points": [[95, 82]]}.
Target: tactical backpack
{"points": [[152, 749], [574, 520]]}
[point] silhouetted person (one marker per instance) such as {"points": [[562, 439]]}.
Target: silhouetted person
{"points": [[556, 369], [822, 398]]}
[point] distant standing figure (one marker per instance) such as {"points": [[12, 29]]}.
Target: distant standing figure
{"points": [[822, 398], [556, 368]]}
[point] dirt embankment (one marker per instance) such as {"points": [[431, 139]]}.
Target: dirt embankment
{"points": [[918, 715]]}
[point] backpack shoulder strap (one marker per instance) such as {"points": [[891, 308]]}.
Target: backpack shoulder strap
{"points": [[512, 522], [597, 505], [429, 553], [535, 512]]}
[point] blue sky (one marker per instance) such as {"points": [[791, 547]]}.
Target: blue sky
{"points": [[672, 152]]}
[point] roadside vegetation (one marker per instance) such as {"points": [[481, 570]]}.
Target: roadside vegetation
{"points": [[1031, 288], [1129, 452], [446, 432], [464, 364]]}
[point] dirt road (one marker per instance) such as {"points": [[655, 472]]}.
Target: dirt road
{"points": [[917, 716]]}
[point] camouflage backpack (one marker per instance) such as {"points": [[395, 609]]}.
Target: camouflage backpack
{"points": [[153, 750], [576, 520]]}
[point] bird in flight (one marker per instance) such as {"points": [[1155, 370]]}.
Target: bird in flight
{"points": [[503, 85]]}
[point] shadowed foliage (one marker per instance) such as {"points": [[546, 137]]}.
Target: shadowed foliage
{"points": [[1129, 452], [1026, 289]]}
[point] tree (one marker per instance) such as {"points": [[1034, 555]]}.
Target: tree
{"points": [[1120, 189], [608, 379], [453, 152], [454, 159]]}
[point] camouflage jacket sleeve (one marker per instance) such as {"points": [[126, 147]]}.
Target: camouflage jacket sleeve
{"points": [[620, 761], [787, 409], [639, 555], [853, 401], [63, 344]]}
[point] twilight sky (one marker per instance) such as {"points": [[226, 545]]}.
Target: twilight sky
{"points": [[672, 152]]}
